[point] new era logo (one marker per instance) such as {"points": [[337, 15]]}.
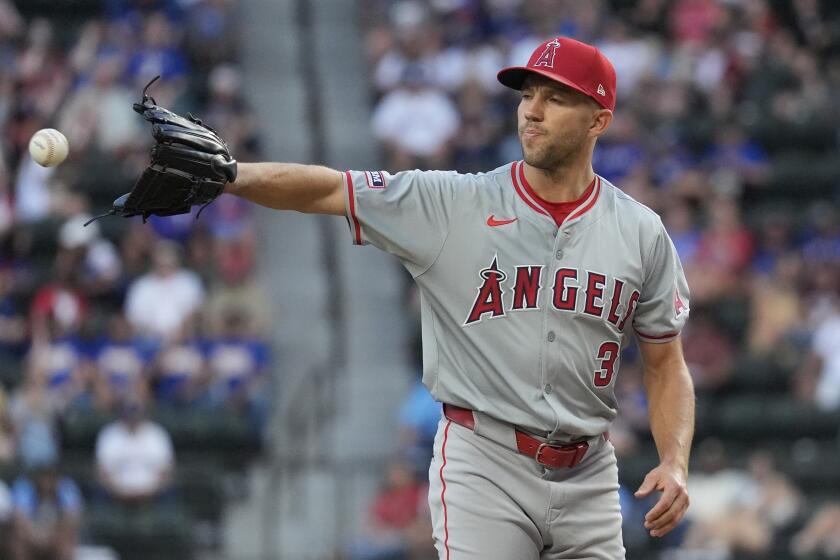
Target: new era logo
{"points": [[601, 90], [375, 179]]}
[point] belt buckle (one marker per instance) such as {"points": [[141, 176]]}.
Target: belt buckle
{"points": [[579, 450], [538, 455]]}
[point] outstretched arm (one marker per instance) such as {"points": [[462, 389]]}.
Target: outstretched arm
{"points": [[671, 410], [289, 186], [191, 166]]}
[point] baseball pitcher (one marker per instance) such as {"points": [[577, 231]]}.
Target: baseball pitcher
{"points": [[533, 277]]}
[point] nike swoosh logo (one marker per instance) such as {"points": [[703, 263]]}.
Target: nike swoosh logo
{"points": [[493, 222]]}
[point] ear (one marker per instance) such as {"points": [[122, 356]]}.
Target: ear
{"points": [[601, 120]]}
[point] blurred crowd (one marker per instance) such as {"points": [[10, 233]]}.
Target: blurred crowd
{"points": [[726, 127], [118, 320]]}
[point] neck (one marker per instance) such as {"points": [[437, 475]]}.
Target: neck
{"points": [[563, 183]]}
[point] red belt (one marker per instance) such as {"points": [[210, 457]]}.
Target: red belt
{"points": [[554, 456]]}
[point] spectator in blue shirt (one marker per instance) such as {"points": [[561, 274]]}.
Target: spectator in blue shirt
{"points": [[47, 513], [180, 370], [13, 331], [34, 415], [122, 361], [237, 361], [63, 361], [159, 55], [621, 151], [418, 417]]}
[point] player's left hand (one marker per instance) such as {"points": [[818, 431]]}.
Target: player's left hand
{"points": [[190, 165], [669, 510]]}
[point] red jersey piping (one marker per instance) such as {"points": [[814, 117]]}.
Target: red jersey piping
{"points": [[351, 197], [443, 491], [587, 204], [527, 193], [514, 171], [656, 337]]}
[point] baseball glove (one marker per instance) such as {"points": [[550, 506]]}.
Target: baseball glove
{"points": [[190, 165]]}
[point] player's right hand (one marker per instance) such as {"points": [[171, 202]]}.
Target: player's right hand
{"points": [[672, 505]]}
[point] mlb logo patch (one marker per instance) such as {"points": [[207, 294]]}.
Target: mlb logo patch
{"points": [[375, 179]]}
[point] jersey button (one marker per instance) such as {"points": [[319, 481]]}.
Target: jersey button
{"points": [[551, 336], [559, 255], [548, 388]]}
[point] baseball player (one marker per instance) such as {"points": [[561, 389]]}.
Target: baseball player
{"points": [[533, 277]]}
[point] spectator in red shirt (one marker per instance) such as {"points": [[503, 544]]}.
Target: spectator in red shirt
{"points": [[723, 253], [392, 515], [58, 303], [696, 20]]}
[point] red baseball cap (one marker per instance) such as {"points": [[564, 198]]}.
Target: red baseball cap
{"points": [[580, 66]]}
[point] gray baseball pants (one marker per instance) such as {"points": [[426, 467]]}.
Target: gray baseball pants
{"points": [[490, 502]]}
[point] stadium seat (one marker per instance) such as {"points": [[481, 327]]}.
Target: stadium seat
{"points": [[160, 533], [80, 428], [215, 431], [11, 370], [759, 374], [199, 485], [767, 418]]}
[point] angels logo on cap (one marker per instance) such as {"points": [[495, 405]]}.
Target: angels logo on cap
{"points": [[547, 57], [581, 67]]}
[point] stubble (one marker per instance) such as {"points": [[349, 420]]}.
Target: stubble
{"points": [[551, 154]]}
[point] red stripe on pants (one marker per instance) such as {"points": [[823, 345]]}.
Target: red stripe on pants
{"points": [[443, 492]]}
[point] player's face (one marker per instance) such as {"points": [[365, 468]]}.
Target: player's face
{"points": [[554, 121]]}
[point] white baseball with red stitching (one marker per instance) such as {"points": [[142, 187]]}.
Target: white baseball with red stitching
{"points": [[48, 147]]}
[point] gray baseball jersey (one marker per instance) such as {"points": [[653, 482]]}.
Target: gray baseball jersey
{"points": [[521, 319]]}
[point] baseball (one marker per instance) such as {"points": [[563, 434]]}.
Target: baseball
{"points": [[48, 147]]}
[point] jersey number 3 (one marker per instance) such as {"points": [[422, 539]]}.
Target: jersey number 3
{"points": [[607, 353]]}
